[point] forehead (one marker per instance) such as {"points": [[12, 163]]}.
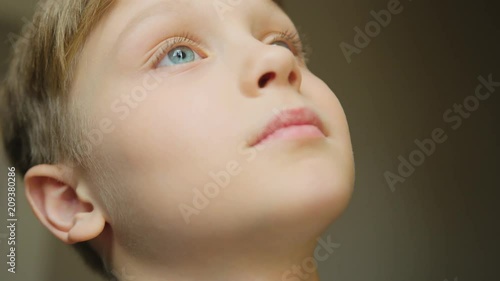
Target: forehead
{"points": [[183, 6], [128, 16], [131, 25], [132, 12]]}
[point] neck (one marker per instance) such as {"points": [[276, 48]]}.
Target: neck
{"points": [[211, 263]]}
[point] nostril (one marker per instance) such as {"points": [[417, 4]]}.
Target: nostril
{"points": [[292, 78], [266, 78]]}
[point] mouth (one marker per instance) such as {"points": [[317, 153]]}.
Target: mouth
{"points": [[290, 124]]}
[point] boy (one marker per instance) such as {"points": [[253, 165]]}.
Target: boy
{"points": [[177, 140]]}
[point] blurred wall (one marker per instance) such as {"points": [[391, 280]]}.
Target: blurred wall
{"points": [[442, 221]]}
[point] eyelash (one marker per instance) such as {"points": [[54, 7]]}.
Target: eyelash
{"points": [[291, 37], [185, 38], [294, 39]]}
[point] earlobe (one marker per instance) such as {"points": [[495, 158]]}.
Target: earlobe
{"points": [[63, 204], [86, 227]]}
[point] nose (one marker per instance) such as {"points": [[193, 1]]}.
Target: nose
{"points": [[269, 66]]}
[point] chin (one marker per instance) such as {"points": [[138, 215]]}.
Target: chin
{"points": [[303, 201], [322, 193], [294, 187]]}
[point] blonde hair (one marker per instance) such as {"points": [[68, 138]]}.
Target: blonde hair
{"points": [[37, 127], [37, 122]]}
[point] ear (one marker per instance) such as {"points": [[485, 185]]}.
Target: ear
{"points": [[63, 203]]}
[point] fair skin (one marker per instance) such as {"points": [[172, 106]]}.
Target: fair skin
{"points": [[199, 115]]}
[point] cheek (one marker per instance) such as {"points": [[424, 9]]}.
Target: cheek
{"points": [[334, 117], [170, 141], [328, 105]]}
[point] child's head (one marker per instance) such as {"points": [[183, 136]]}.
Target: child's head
{"points": [[134, 123]]}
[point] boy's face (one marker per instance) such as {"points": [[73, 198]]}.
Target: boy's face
{"points": [[177, 133]]}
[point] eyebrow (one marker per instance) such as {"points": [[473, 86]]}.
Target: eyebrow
{"points": [[162, 7], [167, 8]]}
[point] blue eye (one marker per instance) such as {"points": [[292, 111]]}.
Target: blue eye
{"points": [[179, 55], [282, 44]]}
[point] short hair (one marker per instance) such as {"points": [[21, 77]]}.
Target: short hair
{"points": [[36, 121]]}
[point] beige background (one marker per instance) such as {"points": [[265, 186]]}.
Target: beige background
{"points": [[443, 221]]}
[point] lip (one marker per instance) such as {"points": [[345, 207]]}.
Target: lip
{"points": [[292, 117]]}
